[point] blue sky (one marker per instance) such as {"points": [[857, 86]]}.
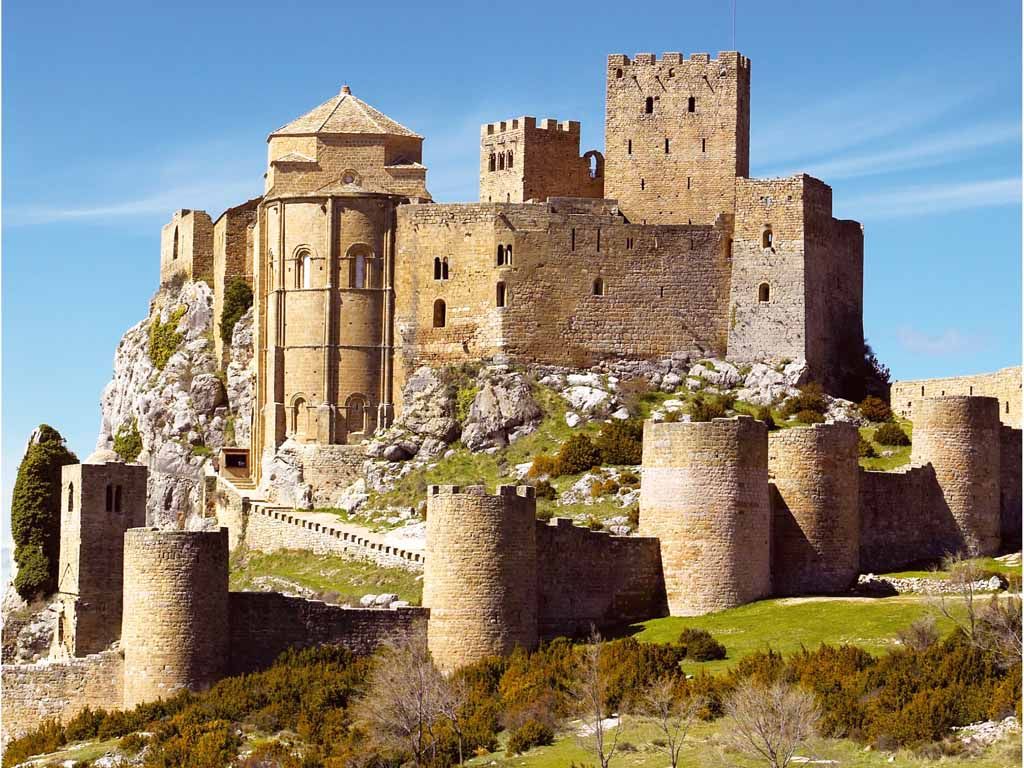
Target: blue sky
{"points": [[117, 113]]}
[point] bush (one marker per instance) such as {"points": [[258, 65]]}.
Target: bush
{"points": [[530, 734], [237, 300], [875, 409], [631, 394], [891, 433], [128, 441], [35, 512], [708, 407], [544, 465], [576, 455], [700, 645], [620, 442], [764, 413], [865, 449], [601, 488], [810, 417], [545, 490], [464, 398], [811, 398], [164, 338]]}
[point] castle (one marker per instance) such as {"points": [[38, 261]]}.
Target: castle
{"points": [[661, 244]]}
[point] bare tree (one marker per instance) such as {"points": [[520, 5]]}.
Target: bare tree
{"points": [[768, 723], [960, 605], [661, 705], [452, 696], [589, 689], [999, 629], [402, 702]]}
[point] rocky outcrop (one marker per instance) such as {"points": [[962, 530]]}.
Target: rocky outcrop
{"points": [[241, 378], [181, 411], [503, 410], [427, 423]]}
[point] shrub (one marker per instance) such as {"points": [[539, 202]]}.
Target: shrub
{"points": [[875, 409], [35, 512], [620, 442], [671, 417], [544, 465], [633, 513], [811, 398], [576, 455], [700, 645], [530, 734], [128, 441], [764, 413], [545, 490], [629, 480], [464, 398], [164, 338], [132, 743], [810, 417], [920, 634], [865, 449], [708, 407], [237, 300], [631, 394], [891, 433]]}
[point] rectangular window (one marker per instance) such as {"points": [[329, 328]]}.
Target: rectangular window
{"points": [[703, 145], [666, 146], [629, 146], [599, 238], [688, 182], [573, 242]]}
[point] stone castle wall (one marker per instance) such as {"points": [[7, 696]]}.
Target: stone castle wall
{"points": [[34, 693], [480, 575], [186, 247], [265, 624], [175, 629], [1010, 502], [232, 259], [589, 578], [815, 507], [959, 437], [1005, 385], [705, 497]]}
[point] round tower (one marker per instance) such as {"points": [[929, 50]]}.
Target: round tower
{"points": [[959, 437], [480, 575], [704, 495], [175, 624], [815, 507]]}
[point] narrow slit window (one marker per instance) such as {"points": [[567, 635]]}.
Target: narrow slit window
{"points": [[508, 162], [666, 146], [767, 240], [691, 104], [437, 267], [599, 238], [649, 105], [71, 497], [508, 255], [492, 162], [643, 184], [573, 242], [500, 261], [110, 498], [500, 295], [703, 145], [689, 182], [444, 269], [629, 146]]}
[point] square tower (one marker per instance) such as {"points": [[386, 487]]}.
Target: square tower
{"points": [[677, 134], [99, 502], [521, 160], [186, 246]]}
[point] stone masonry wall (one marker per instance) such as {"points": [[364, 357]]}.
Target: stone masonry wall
{"points": [[1004, 384], [232, 259], [589, 578], [264, 624], [705, 497], [175, 630], [1010, 489], [480, 575], [33, 693], [186, 246], [815, 508]]}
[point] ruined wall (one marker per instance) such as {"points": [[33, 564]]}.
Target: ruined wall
{"points": [[669, 160], [33, 693], [1010, 489], [99, 502], [521, 160], [705, 497], [175, 629], [603, 287], [479, 580], [232, 259], [959, 436], [186, 246], [1004, 384], [265, 624], [589, 578], [815, 508]]}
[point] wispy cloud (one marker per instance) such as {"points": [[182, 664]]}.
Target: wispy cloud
{"points": [[948, 342], [942, 197], [931, 151]]}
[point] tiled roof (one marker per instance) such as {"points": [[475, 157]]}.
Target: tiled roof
{"points": [[344, 113]]}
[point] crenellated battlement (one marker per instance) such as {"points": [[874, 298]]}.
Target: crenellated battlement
{"points": [[519, 125], [676, 58]]}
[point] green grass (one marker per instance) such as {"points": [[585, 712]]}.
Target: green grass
{"points": [[349, 579], [786, 625], [900, 453], [982, 563]]}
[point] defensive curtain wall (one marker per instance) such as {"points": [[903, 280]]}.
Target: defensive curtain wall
{"points": [[1004, 385]]}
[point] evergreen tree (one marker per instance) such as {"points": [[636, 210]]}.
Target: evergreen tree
{"points": [[35, 513]]}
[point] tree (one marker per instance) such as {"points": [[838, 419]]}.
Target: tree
{"points": [[662, 706], [35, 512], [768, 723], [961, 604], [237, 300], [877, 376], [589, 689], [452, 695], [402, 702]]}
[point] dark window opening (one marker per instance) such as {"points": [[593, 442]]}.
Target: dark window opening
{"points": [[573, 243], [444, 269], [236, 460], [508, 255], [110, 498], [499, 299], [643, 184], [1007, 406], [666, 146], [599, 238], [767, 239], [492, 162], [728, 249], [629, 146], [662, 291], [922, 391], [501, 161], [501, 256], [618, 73], [439, 314], [691, 104], [703, 145], [437, 267], [763, 292], [508, 162], [689, 182], [174, 255], [598, 287], [649, 105], [629, 243], [71, 497]]}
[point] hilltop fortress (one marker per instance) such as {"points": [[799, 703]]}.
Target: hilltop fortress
{"points": [[661, 245]]}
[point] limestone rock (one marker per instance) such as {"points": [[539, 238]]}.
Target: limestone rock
{"points": [[587, 399], [502, 410], [353, 497], [241, 376], [716, 372], [428, 409], [282, 480], [207, 393], [572, 419]]}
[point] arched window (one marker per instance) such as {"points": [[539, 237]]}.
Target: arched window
{"points": [[500, 295], [300, 269], [766, 238], [508, 255], [598, 287], [355, 409], [117, 498], [440, 313], [492, 162], [691, 104], [444, 268], [618, 73], [71, 497], [508, 163], [501, 255], [649, 105], [174, 253], [763, 292], [359, 271], [110, 498], [298, 415], [437, 267], [501, 161], [307, 270]]}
